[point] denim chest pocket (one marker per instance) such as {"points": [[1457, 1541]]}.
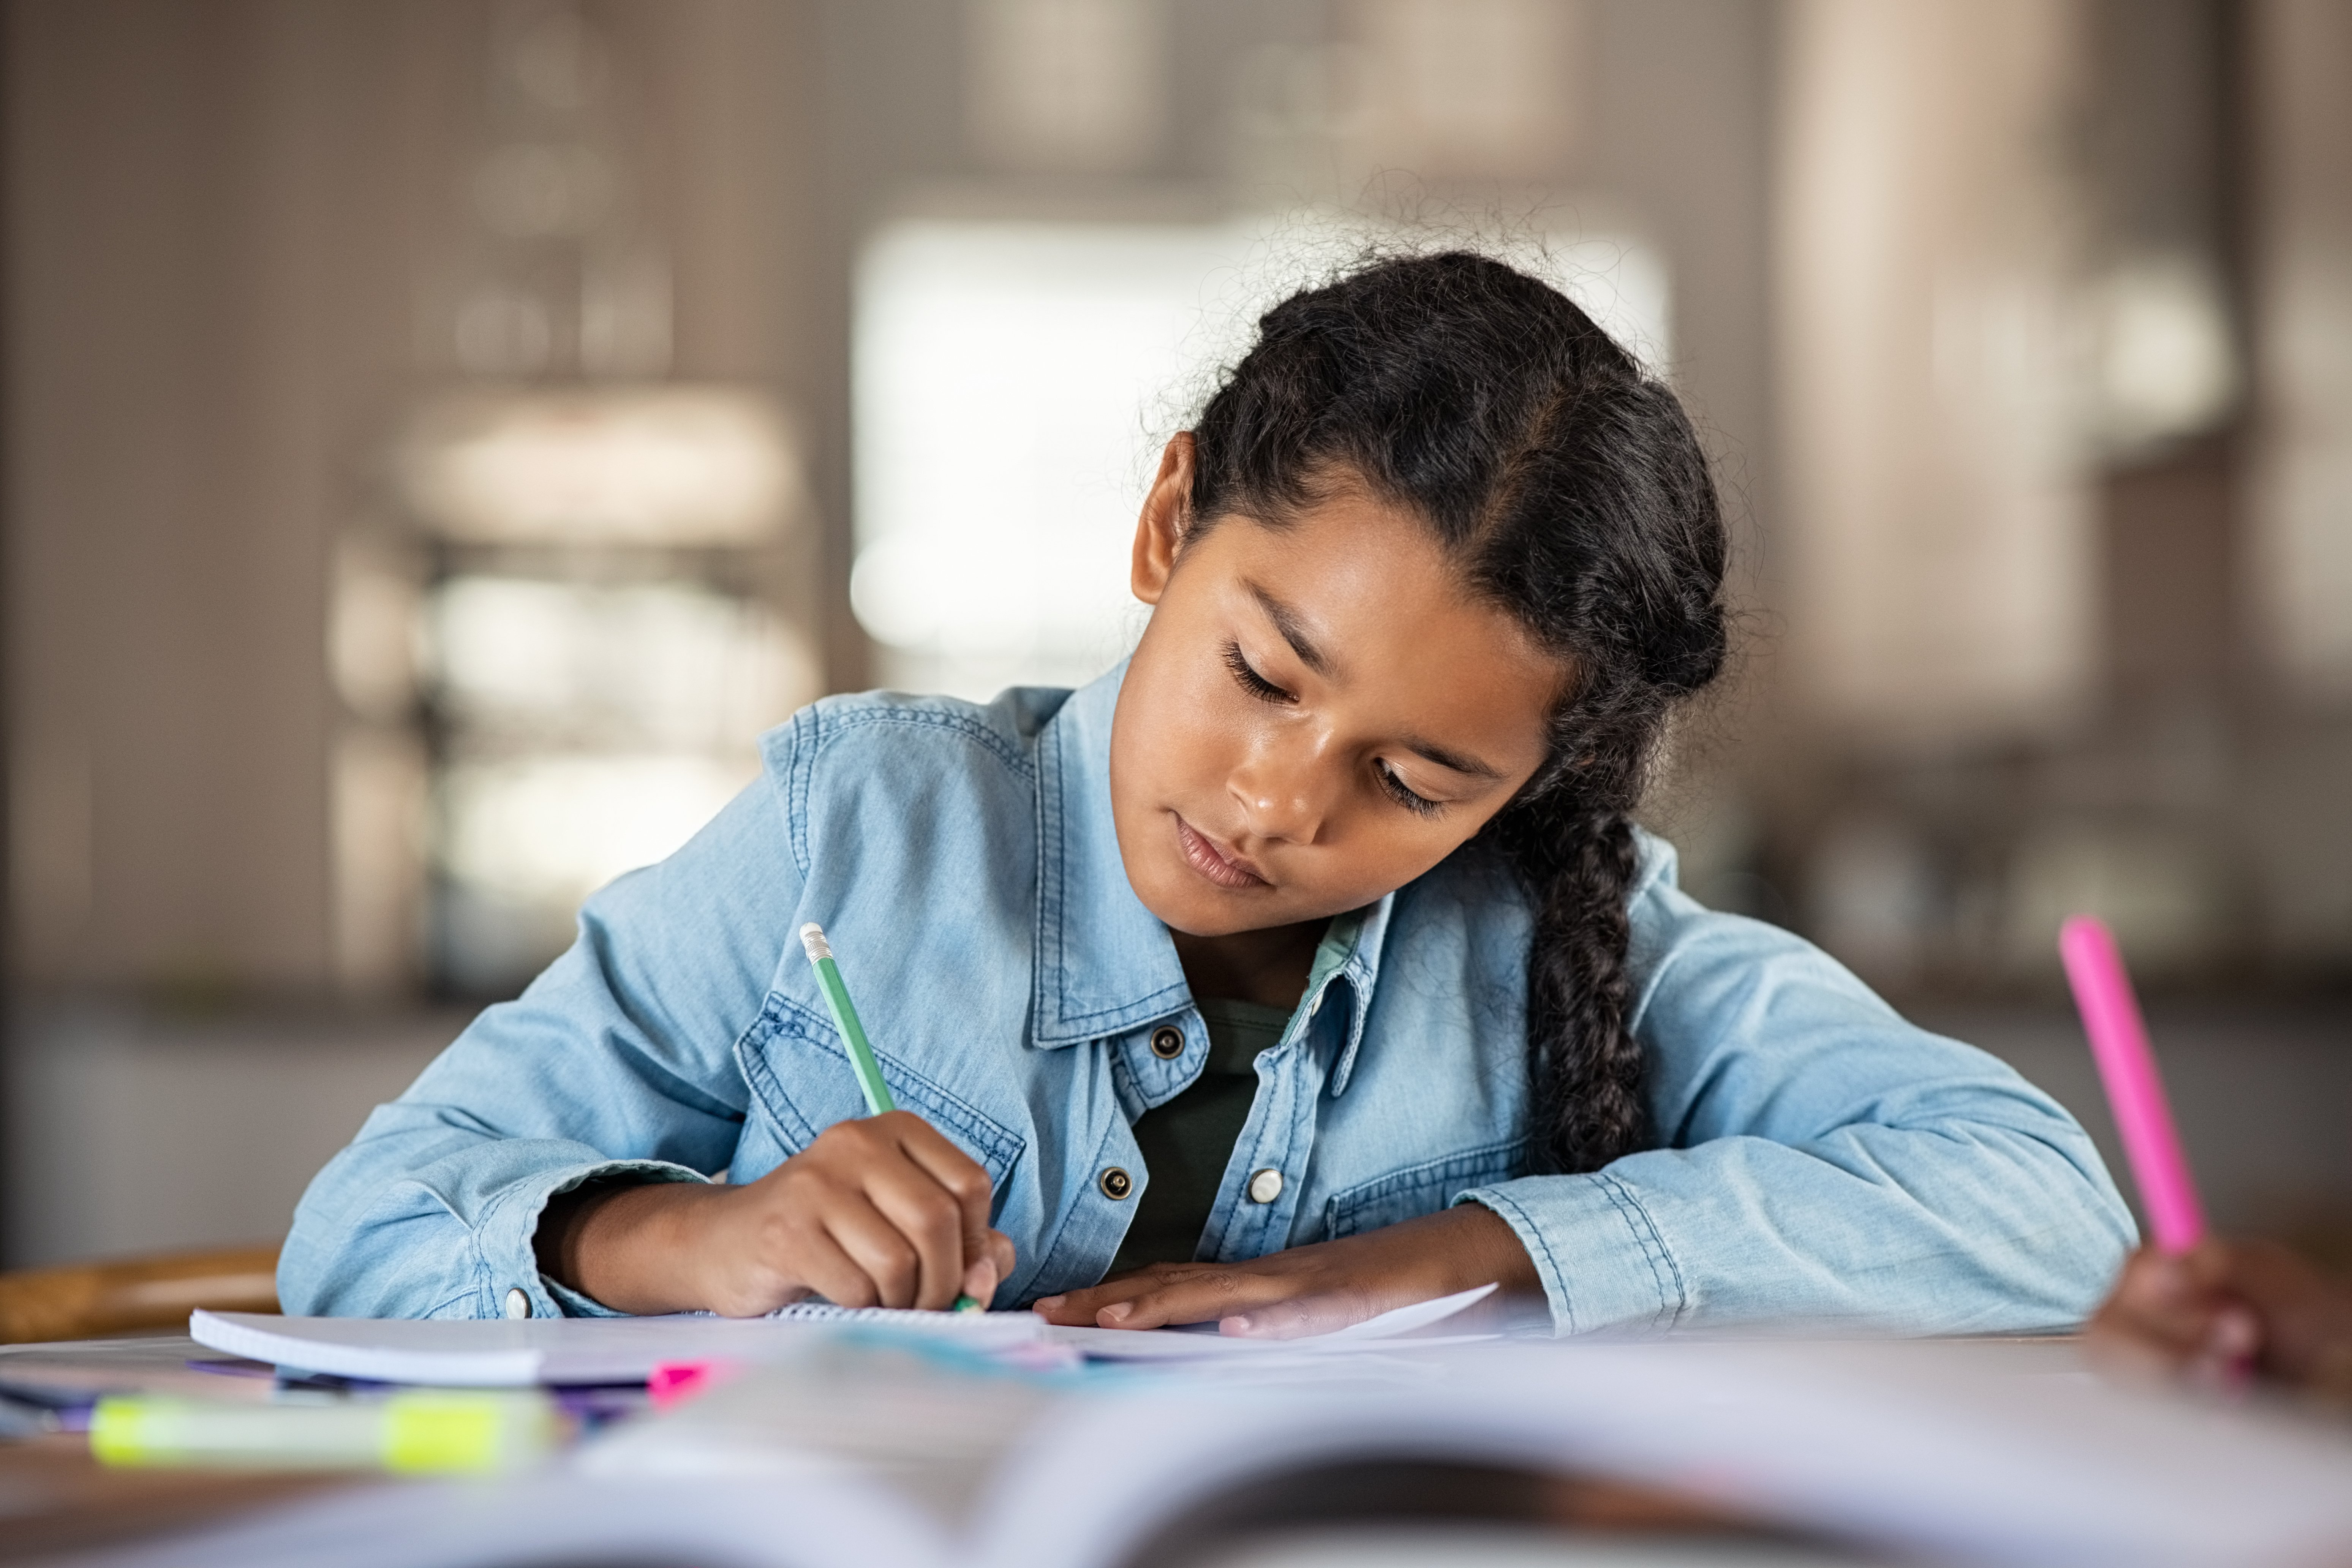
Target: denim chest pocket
{"points": [[797, 1067], [1420, 1189]]}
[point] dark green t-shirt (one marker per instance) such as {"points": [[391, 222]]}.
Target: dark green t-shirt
{"points": [[1188, 1142]]}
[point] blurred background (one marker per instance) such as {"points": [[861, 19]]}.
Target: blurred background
{"points": [[440, 436]]}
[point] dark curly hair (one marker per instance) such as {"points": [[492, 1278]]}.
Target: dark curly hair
{"points": [[1569, 489]]}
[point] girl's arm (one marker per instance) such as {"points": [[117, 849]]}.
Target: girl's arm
{"points": [[1822, 1161], [616, 1065]]}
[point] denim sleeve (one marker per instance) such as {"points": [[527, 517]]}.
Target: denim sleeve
{"points": [[617, 1061], [1818, 1160]]}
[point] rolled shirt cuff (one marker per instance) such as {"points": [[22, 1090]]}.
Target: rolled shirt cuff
{"points": [[1601, 1257], [508, 1235]]}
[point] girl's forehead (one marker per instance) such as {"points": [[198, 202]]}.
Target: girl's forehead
{"points": [[1374, 567], [1364, 596]]}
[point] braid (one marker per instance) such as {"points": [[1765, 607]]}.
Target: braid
{"points": [[1584, 1066], [1567, 486], [1570, 837]]}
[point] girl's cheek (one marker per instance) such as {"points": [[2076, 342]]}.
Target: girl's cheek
{"points": [[1188, 744]]}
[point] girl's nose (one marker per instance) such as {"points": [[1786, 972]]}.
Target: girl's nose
{"points": [[1283, 793]]}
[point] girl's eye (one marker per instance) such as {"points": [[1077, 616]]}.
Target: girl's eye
{"points": [[1251, 681], [1418, 804]]}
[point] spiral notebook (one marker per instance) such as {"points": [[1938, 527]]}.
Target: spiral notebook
{"points": [[501, 1352]]}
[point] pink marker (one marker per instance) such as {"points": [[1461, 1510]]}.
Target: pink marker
{"points": [[674, 1383], [2111, 1017]]}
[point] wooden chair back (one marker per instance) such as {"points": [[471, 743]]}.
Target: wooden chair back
{"points": [[134, 1295]]}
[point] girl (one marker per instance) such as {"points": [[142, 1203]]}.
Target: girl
{"points": [[1306, 965]]}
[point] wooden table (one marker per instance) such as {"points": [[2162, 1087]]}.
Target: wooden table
{"points": [[54, 1498]]}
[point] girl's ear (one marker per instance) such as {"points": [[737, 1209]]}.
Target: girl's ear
{"points": [[1160, 531]]}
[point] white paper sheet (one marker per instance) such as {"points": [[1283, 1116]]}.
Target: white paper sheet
{"points": [[1381, 1333]]}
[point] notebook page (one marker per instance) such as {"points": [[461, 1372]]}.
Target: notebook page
{"points": [[983, 1323]]}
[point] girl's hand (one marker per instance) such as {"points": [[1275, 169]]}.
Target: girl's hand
{"points": [[2171, 1316], [1312, 1289], [2211, 1313], [880, 1212]]}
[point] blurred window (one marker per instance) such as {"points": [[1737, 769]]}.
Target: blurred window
{"points": [[661, 466], [1071, 85], [556, 658], [1014, 382], [595, 658]]}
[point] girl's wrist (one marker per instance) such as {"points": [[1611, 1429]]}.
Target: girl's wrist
{"points": [[634, 1248], [1489, 1251]]}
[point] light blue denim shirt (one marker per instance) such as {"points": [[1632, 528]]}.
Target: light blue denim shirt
{"points": [[1818, 1158]]}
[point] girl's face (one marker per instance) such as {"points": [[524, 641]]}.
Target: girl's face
{"points": [[1316, 715]]}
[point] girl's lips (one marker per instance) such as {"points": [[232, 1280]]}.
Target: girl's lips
{"points": [[1205, 856]]}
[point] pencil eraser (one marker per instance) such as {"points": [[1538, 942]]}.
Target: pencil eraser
{"points": [[813, 939]]}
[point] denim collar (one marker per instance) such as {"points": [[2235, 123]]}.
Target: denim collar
{"points": [[1105, 964]]}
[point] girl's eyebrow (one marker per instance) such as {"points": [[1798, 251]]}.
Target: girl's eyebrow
{"points": [[1456, 760], [1285, 621], [1294, 631]]}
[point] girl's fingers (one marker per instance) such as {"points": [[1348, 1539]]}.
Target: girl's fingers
{"points": [[832, 1274], [930, 1220], [2161, 1316], [1300, 1316], [1080, 1308], [2235, 1335], [2157, 1300], [990, 1269], [963, 1176], [2225, 1360], [891, 1270], [966, 1182], [1208, 1296]]}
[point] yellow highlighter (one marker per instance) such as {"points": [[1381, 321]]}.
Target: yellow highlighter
{"points": [[418, 1434]]}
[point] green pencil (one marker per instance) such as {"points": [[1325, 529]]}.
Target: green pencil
{"points": [[853, 1033]]}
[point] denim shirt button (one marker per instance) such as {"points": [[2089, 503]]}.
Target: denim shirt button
{"points": [[1167, 1043], [518, 1303], [1115, 1182], [1265, 1186]]}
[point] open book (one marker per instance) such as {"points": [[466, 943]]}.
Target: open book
{"points": [[866, 1451]]}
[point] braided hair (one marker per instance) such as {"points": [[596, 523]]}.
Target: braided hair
{"points": [[1568, 487]]}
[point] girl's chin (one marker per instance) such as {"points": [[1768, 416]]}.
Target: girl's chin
{"points": [[1195, 911], [1184, 901]]}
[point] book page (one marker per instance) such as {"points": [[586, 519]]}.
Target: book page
{"points": [[1978, 1452]]}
